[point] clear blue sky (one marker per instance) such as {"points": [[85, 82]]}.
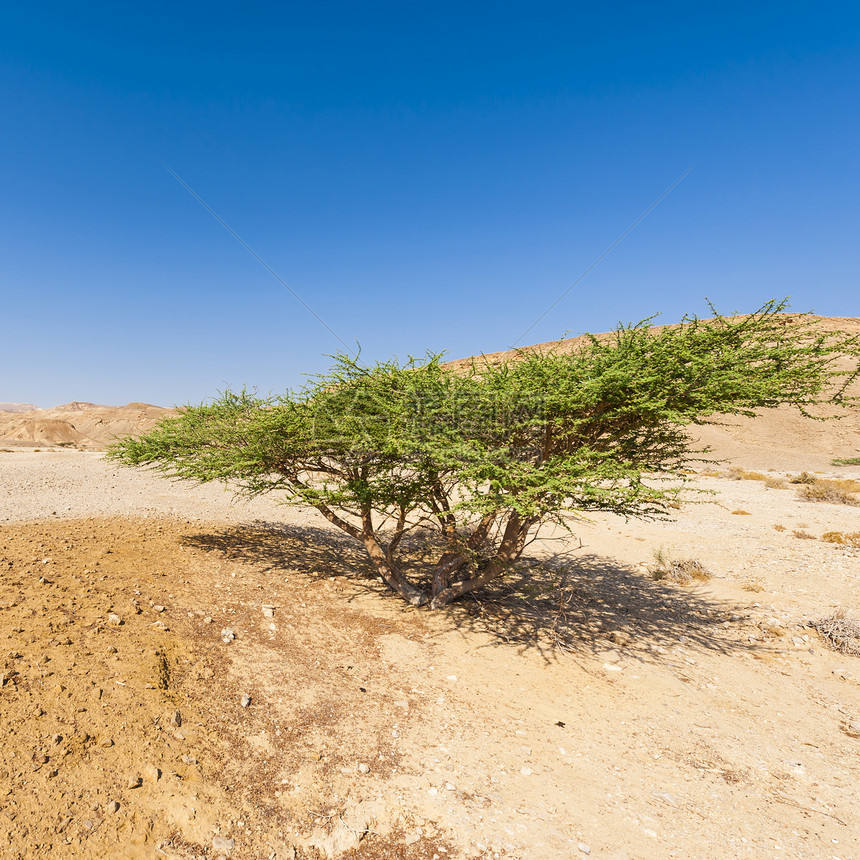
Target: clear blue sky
{"points": [[423, 175]]}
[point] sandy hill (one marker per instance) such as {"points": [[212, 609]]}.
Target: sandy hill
{"points": [[771, 440], [78, 424]]}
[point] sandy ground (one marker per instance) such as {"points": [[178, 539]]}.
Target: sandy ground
{"points": [[583, 709]]}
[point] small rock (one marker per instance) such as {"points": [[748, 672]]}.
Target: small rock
{"points": [[106, 743], [111, 649], [176, 719], [189, 759], [152, 773], [363, 768], [619, 637], [268, 611], [449, 786], [585, 849], [207, 619], [227, 635], [526, 771], [134, 782], [246, 700], [224, 846], [666, 798], [113, 806], [158, 607], [114, 619]]}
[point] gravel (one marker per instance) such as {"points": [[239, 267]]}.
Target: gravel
{"points": [[81, 484]]}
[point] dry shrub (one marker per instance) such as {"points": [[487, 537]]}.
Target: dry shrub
{"points": [[828, 491], [710, 473], [775, 483], [742, 513], [755, 587], [799, 533], [682, 571], [840, 632], [737, 474], [779, 528], [803, 478], [851, 539]]}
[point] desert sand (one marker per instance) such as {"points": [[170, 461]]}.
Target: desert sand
{"points": [[185, 676]]}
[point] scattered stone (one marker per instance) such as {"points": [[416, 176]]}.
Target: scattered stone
{"points": [[667, 798], [363, 768], [189, 759], [134, 782], [350, 829], [106, 742], [176, 719], [114, 619], [619, 637], [449, 786], [207, 619], [111, 649], [222, 845], [246, 700], [152, 773], [227, 635], [112, 807], [585, 849], [158, 607], [268, 611], [526, 771]]}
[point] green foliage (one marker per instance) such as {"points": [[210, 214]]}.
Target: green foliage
{"points": [[845, 461], [484, 454]]}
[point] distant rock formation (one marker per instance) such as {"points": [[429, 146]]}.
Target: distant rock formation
{"points": [[18, 407], [77, 424]]}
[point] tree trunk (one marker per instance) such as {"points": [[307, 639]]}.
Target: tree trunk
{"points": [[510, 549]]}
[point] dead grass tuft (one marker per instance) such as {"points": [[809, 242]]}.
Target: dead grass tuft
{"points": [[742, 513], [799, 533], [840, 631], [776, 483], [779, 528], [829, 492], [737, 474], [803, 478], [851, 539], [836, 492], [682, 571]]}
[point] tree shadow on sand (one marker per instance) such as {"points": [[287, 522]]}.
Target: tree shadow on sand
{"points": [[571, 601]]}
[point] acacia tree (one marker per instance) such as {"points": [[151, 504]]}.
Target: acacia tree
{"points": [[483, 454]]}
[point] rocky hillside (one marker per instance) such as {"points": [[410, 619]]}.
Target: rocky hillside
{"points": [[77, 424]]}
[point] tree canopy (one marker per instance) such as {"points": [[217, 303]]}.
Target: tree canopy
{"points": [[482, 455]]}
